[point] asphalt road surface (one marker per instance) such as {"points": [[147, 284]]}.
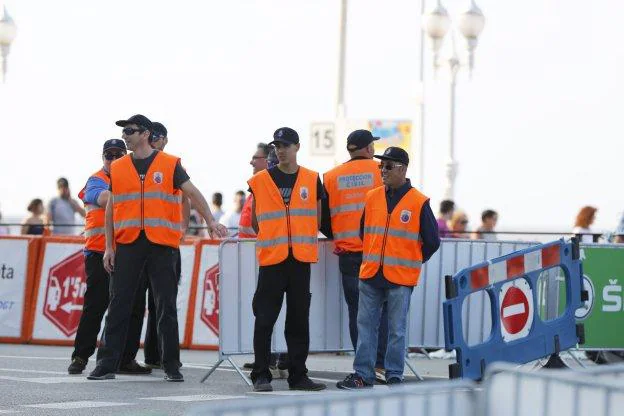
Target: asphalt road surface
{"points": [[34, 381]]}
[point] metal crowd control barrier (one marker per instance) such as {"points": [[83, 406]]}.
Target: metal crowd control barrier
{"points": [[518, 333], [436, 398], [510, 392], [329, 318]]}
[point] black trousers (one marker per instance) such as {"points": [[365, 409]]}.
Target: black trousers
{"points": [[150, 346], [158, 262], [95, 304], [293, 278]]}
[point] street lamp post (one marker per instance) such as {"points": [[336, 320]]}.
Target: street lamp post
{"points": [[8, 30], [437, 24]]}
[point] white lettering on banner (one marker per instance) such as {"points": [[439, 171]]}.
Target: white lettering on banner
{"points": [[362, 180], [612, 297], [13, 276]]}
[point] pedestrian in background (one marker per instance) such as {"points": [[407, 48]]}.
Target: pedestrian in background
{"points": [[217, 203], [447, 208], [399, 233], [485, 231], [95, 196], [582, 225], [458, 225], [232, 217], [346, 186], [62, 210], [286, 216], [35, 223]]}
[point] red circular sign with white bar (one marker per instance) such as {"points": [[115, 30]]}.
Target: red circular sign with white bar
{"points": [[516, 309]]}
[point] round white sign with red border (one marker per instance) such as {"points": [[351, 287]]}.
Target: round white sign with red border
{"points": [[516, 309]]}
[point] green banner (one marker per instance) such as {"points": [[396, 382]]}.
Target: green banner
{"points": [[603, 313]]}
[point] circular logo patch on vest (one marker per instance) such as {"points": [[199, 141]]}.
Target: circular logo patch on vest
{"points": [[304, 193], [406, 216], [158, 177]]}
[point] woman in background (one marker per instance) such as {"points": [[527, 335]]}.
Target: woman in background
{"points": [[458, 225], [35, 224], [584, 219]]}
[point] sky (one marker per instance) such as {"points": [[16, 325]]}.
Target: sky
{"points": [[538, 131]]}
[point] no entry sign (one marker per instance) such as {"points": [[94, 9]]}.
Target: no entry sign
{"points": [[516, 309]]}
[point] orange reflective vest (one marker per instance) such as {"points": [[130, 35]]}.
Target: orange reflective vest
{"points": [[151, 204], [94, 220], [245, 230], [393, 240], [282, 226], [346, 187]]}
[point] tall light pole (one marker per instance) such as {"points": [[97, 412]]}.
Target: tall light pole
{"points": [[437, 24], [8, 30]]}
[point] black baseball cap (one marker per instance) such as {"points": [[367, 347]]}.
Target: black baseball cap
{"points": [[114, 144], [138, 119], [159, 129], [359, 139], [285, 135], [395, 154]]}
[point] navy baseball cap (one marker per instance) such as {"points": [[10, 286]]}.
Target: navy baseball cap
{"points": [[114, 144], [138, 119], [395, 154], [159, 129], [359, 139], [285, 135]]}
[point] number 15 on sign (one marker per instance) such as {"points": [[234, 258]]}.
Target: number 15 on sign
{"points": [[322, 139]]}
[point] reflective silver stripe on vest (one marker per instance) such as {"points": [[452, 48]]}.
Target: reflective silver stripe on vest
{"points": [[91, 208], [134, 196], [270, 215], [346, 234], [127, 224], [392, 261], [92, 232], [404, 234], [157, 222], [297, 239], [374, 230], [395, 261], [302, 212], [346, 208], [163, 196], [271, 243]]}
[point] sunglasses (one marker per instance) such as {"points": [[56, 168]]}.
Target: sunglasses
{"points": [[464, 222], [257, 157], [128, 131], [113, 155], [389, 166]]}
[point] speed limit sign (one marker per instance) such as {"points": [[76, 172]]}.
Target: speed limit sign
{"points": [[322, 139]]}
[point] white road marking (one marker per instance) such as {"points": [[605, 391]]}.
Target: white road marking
{"points": [[284, 393], [35, 358], [20, 370], [512, 310], [76, 405], [79, 379], [193, 398]]}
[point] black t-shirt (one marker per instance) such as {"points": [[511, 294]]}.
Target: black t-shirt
{"points": [[142, 166], [285, 182]]}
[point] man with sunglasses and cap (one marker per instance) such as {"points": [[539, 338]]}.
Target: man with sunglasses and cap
{"points": [[399, 233], [95, 196], [346, 186], [158, 140], [285, 214], [143, 232]]}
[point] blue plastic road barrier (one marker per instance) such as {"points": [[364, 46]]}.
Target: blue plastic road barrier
{"points": [[518, 334]]}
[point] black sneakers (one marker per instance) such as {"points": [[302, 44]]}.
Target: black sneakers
{"points": [[174, 376], [394, 382], [134, 368], [153, 365], [353, 382], [263, 385], [101, 374], [77, 366], [306, 384]]}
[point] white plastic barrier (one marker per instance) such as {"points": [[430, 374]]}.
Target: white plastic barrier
{"points": [[513, 392], [18, 258], [435, 398]]}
